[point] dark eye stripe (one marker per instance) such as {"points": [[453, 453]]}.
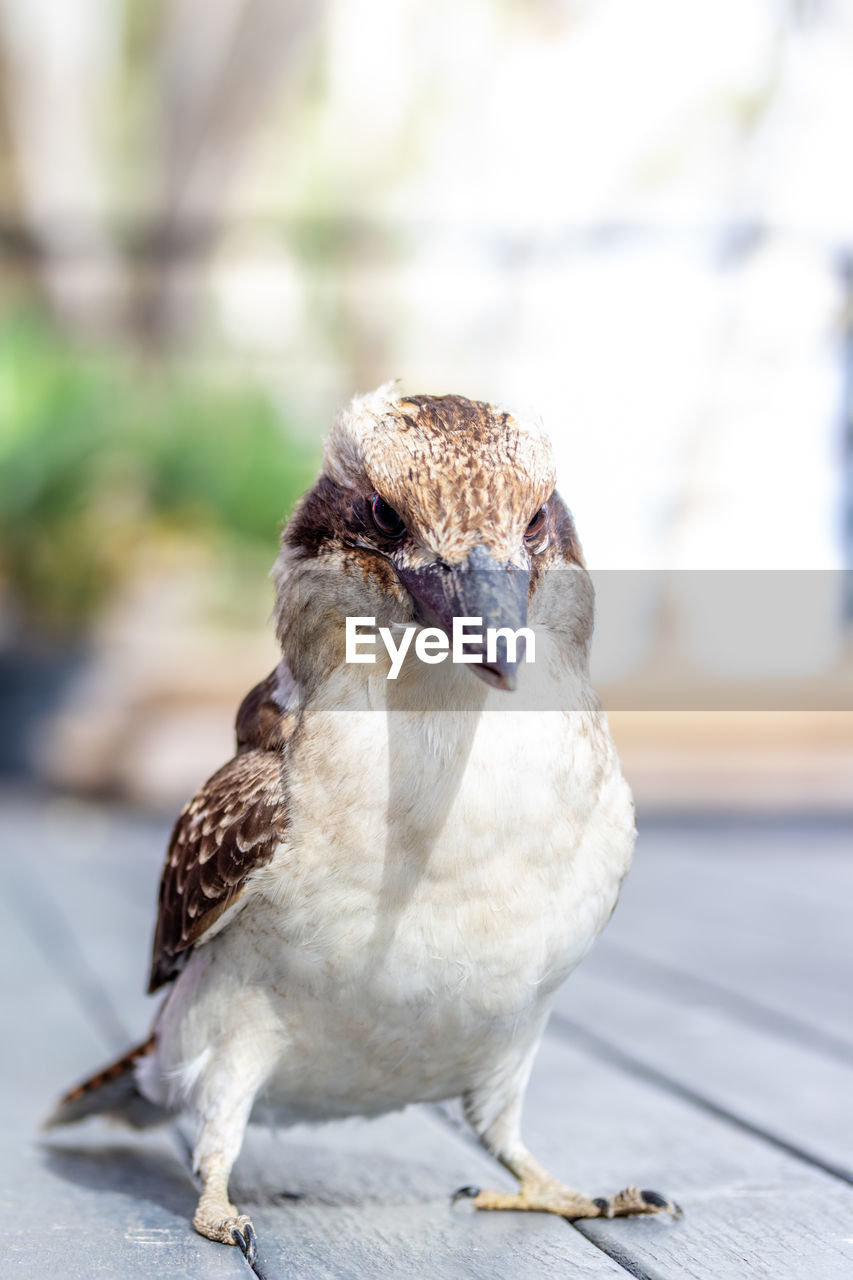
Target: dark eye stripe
{"points": [[386, 519]]}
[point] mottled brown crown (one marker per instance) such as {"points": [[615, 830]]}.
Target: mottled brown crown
{"points": [[458, 471]]}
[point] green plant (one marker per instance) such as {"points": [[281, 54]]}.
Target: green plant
{"points": [[98, 452]]}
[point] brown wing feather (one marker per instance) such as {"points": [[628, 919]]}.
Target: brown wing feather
{"points": [[263, 719], [232, 826]]}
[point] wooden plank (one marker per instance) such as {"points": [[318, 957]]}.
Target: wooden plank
{"points": [[810, 856], [715, 903], [79, 1206], [799, 1096], [376, 1199], [750, 1209], [101, 868]]}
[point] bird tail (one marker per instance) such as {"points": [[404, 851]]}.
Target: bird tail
{"points": [[112, 1092]]}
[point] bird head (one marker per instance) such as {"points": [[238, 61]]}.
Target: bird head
{"points": [[428, 508]]}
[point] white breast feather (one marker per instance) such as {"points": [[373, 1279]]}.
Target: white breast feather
{"points": [[444, 872]]}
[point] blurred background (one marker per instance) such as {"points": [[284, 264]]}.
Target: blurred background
{"points": [[220, 221]]}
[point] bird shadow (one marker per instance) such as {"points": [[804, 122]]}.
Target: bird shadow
{"points": [[141, 1173], [443, 724], [326, 1177]]}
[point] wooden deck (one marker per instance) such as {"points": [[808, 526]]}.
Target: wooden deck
{"points": [[705, 1049]]}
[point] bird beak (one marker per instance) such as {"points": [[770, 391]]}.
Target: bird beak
{"points": [[482, 588]]}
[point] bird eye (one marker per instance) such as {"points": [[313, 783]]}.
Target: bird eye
{"points": [[537, 524], [386, 519]]}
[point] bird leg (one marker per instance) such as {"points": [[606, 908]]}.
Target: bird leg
{"points": [[223, 1082], [221, 1129], [539, 1192]]}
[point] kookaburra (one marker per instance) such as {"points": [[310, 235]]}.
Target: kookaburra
{"points": [[375, 901]]}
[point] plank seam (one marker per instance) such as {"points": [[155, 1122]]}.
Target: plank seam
{"points": [[744, 1008], [598, 1046], [616, 1253]]}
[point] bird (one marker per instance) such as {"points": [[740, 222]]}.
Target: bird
{"points": [[376, 900]]}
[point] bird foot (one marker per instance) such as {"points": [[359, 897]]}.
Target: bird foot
{"points": [[553, 1197], [231, 1228]]}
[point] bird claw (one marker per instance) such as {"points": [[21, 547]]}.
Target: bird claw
{"points": [[657, 1201], [633, 1201], [246, 1241], [464, 1193]]}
